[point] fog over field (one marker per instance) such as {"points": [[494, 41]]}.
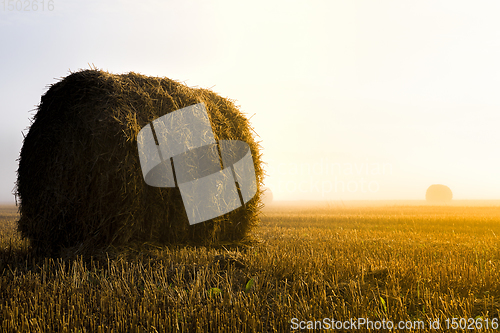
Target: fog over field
{"points": [[352, 100]]}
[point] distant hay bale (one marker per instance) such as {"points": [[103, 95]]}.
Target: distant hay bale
{"points": [[438, 194], [80, 185], [267, 196]]}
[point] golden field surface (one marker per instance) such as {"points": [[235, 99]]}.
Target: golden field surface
{"points": [[312, 266]]}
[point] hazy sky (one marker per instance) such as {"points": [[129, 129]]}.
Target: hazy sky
{"points": [[351, 99]]}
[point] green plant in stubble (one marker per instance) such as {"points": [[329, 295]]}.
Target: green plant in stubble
{"points": [[212, 292], [383, 304], [249, 285]]}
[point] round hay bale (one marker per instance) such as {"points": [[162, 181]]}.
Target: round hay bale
{"points": [[438, 193], [267, 196], [80, 184]]}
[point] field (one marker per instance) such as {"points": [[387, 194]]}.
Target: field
{"points": [[386, 263]]}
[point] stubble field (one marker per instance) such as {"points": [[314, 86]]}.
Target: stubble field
{"points": [[323, 266]]}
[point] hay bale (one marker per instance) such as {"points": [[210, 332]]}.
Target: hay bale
{"points": [[80, 184], [438, 193]]}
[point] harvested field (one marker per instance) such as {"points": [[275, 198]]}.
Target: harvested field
{"points": [[392, 263]]}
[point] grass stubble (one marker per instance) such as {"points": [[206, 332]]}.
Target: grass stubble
{"points": [[398, 263]]}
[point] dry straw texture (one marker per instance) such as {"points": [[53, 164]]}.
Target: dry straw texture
{"points": [[393, 262], [80, 184]]}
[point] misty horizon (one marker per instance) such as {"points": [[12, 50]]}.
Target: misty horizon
{"points": [[412, 87]]}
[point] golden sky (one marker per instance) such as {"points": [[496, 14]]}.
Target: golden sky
{"points": [[332, 85]]}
